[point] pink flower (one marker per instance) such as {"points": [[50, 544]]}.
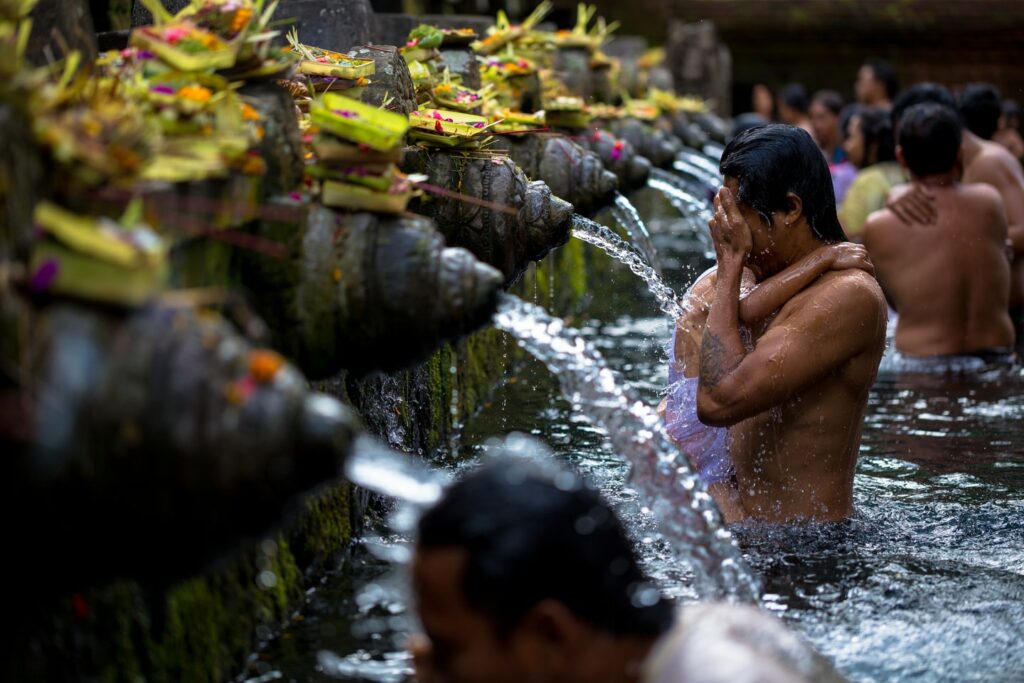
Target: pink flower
{"points": [[617, 150], [175, 34]]}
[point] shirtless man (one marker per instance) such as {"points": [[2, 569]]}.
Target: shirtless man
{"points": [[708, 447], [795, 401], [948, 281], [982, 162]]}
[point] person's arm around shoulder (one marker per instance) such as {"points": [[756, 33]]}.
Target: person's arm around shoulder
{"points": [[770, 295]]}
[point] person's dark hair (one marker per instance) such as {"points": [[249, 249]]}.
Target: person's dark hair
{"points": [[876, 127], [848, 112], [918, 93], [930, 137], [1012, 112], [532, 535], [884, 72], [771, 161], [980, 108], [794, 96], [829, 99]]}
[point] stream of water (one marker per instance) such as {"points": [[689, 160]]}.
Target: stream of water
{"points": [[624, 252], [629, 218]]}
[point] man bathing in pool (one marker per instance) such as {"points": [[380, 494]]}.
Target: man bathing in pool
{"points": [[794, 399], [709, 446]]}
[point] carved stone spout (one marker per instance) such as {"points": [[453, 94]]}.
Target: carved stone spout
{"points": [[502, 217], [365, 292], [148, 442], [658, 146], [573, 173], [618, 156]]}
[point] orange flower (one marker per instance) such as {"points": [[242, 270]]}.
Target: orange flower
{"points": [[264, 365], [249, 113], [241, 19], [195, 93]]}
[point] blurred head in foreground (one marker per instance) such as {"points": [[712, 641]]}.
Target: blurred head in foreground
{"points": [[525, 574]]}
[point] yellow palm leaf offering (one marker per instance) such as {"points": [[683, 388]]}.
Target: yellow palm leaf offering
{"points": [[185, 46], [508, 121], [96, 258], [357, 150], [315, 61], [566, 112], [443, 128], [504, 32], [454, 96]]}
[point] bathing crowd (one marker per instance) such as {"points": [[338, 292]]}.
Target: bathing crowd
{"points": [[526, 575]]}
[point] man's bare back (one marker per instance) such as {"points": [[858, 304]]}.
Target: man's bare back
{"points": [[990, 163], [948, 281]]}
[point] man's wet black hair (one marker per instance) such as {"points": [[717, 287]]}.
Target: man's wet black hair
{"points": [[930, 137], [916, 94], [876, 127], [771, 161], [980, 108], [884, 72], [794, 96], [532, 535], [829, 99]]}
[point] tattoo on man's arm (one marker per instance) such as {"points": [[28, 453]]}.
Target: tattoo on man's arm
{"points": [[712, 360]]}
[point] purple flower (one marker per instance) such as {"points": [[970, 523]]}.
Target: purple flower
{"points": [[346, 113], [44, 276], [162, 89], [478, 124], [144, 54]]}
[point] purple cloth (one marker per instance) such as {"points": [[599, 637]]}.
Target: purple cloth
{"points": [[843, 174], [707, 447]]}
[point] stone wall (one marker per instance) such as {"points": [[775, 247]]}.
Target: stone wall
{"points": [[202, 628]]}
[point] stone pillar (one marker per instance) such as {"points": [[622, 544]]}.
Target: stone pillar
{"points": [[700, 63], [54, 21]]}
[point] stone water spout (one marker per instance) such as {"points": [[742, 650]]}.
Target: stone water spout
{"points": [[658, 146], [618, 156], [364, 291], [505, 219], [146, 442], [573, 173]]}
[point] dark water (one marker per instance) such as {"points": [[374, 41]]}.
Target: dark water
{"points": [[926, 583]]}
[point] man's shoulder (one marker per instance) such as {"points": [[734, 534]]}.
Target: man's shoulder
{"points": [[852, 291], [994, 160]]}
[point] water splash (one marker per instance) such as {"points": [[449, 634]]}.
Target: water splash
{"points": [[383, 470], [686, 514], [629, 218], [620, 250]]}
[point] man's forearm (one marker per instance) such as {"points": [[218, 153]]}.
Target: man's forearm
{"points": [[722, 349]]}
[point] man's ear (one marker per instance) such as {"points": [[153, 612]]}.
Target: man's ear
{"points": [[555, 635], [903, 161], [794, 209]]}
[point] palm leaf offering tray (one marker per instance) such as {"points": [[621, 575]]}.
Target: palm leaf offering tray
{"points": [[500, 67], [508, 121], [315, 61], [566, 112], [504, 32], [643, 110], [458, 36], [359, 123], [357, 150], [96, 258], [457, 97], [606, 111], [442, 128], [185, 46]]}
